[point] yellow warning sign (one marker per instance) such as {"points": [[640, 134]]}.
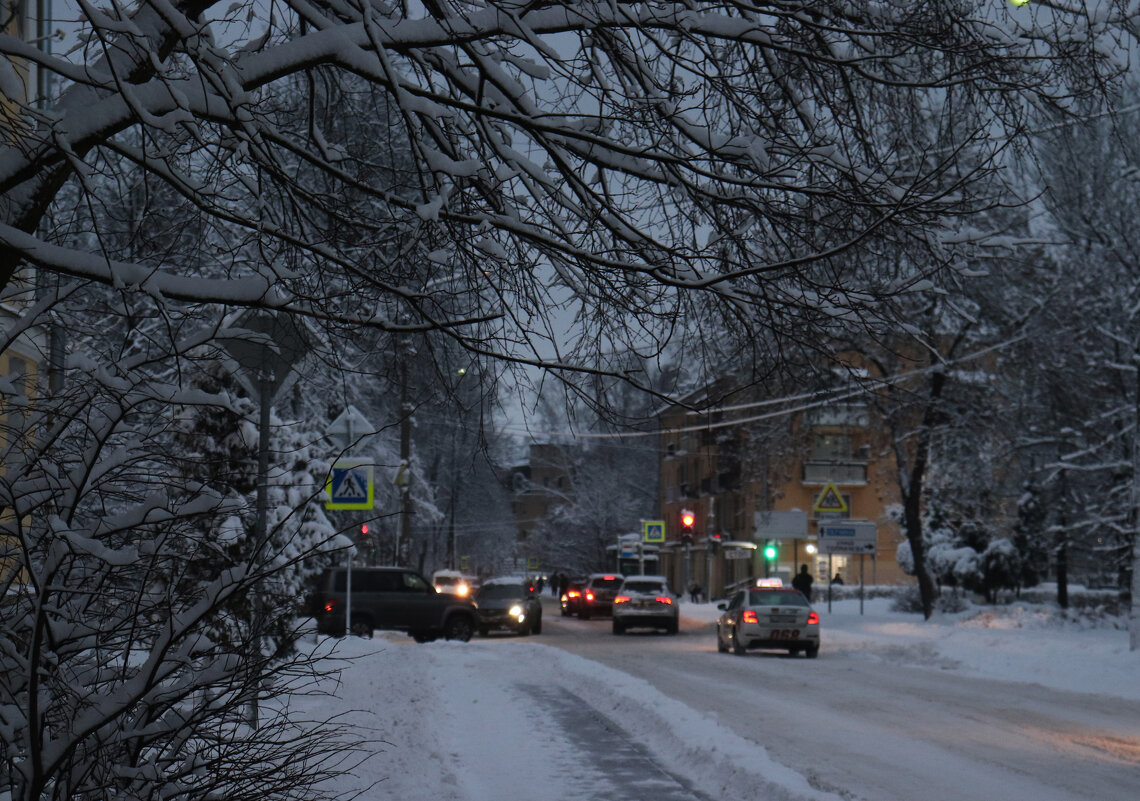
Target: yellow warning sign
{"points": [[830, 500]]}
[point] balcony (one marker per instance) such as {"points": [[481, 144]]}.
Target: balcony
{"points": [[840, 473]]}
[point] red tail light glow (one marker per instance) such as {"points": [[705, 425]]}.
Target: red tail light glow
{"points": [[589, 596], [573, 594], [813, 619], [750, 616], [621, 599], [331, 605], [663, 599]]}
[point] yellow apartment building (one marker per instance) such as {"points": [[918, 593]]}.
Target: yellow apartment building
{"points": [[758, 484]]}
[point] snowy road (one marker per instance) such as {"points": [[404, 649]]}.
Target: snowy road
{"points": [[894, 709], [845, 720]]}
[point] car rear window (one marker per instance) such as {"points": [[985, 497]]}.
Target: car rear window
{"points": [[608, 583], [777, 598], [643, 586]]}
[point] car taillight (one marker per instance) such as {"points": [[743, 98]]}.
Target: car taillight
{"points": [[664, 599], [573, 594], [621, 599], [589, 596], [331, 605], [750, 616], [813, 619]]}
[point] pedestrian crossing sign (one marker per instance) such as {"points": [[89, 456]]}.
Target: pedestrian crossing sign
{"points": [[830, 500], [654, 530], [350, 486]]}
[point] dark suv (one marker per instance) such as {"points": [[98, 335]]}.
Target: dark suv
{"points": [[598, 595], [511, 604], [391, 598]]}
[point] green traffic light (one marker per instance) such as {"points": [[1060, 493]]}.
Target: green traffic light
{"points": [[770, 552]]}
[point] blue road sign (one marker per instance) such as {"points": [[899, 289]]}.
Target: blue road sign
{"points": [[350, 486]]}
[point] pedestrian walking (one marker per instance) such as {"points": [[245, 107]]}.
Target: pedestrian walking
{"points": [[803, 582]]}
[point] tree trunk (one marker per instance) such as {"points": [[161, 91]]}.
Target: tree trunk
{"points": [[1063, 573], [1133, 609], [913, 522], [913, 497]]}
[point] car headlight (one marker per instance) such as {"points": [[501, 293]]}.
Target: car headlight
{"points": [[517, 611]]}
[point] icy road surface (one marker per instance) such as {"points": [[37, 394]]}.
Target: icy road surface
{"points": [[892, 710]]}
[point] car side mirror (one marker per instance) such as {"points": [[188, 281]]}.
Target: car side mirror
{"points": [[722, 606]]}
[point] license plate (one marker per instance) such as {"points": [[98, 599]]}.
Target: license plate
{"points": [[783, 618]]}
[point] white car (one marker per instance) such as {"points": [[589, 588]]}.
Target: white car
{"points": [[454, 582], [768, 617], [645, 602]]}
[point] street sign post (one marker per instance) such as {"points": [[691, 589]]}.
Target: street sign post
{"points": [[653, 530], [859, 537], [848, 537]]}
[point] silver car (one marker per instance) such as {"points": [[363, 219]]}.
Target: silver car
{"points": [[645, 602], [768, 617]]}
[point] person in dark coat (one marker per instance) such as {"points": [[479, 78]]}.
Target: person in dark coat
{"points": [[838, 578], [803, 581]]}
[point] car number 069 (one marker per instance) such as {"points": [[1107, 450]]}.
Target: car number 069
{"points": [[785, 634]]}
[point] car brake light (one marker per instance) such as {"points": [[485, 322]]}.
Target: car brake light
{"points": [[331, 605], [589, 596], [572, 594], [610, 578], [621, 599], [663, 599], [750, 616], [813, 619]]}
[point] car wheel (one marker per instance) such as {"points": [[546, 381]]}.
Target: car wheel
{"points": [[672, 628], [720, 646], [361, 626], [458, 627], [618, 628], [737, 646], [812, 651], [537, 627]]}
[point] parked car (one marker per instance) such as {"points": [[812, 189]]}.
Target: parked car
{"points": [[768, 617], [509, 603], [571, 599], [645, 602], [391, 598], [598, 595]]}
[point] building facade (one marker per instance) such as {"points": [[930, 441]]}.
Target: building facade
{"points": [[760, 486]]}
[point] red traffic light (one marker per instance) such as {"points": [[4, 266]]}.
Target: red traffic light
{"points": [[363, 529], [687, 519]]}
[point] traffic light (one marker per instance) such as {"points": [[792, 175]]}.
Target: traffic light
{"points": [[688, 520], [714, 542], [364, 529], [771, 551]]}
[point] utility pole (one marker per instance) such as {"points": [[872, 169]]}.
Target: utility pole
{"points": [[404, 531]]}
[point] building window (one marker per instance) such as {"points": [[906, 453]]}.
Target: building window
{"points": [[831, 447]]}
